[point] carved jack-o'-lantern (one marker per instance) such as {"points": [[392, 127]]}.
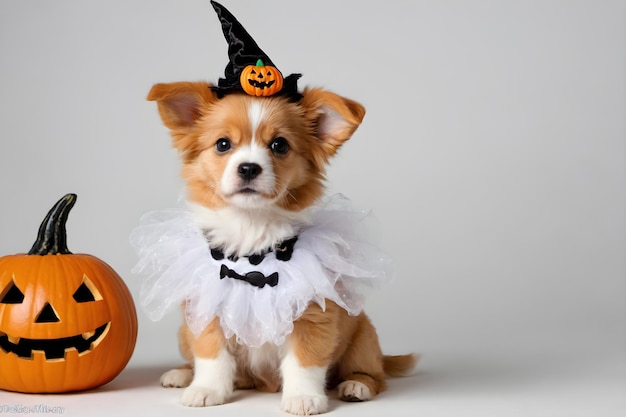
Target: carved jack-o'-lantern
{"points": [[67, 321], [261, 80]]}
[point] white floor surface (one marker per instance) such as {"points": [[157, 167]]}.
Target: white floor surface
{"points": [[443, 385]]}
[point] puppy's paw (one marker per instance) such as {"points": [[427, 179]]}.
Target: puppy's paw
{"points": [[354, 391], [304, 405], [196, 396], [177, 378]]}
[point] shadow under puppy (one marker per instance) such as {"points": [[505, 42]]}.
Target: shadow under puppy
{"points": [[254, 165]]}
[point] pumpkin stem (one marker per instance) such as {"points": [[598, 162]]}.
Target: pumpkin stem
{"points": [[259, 63], [52, 238]]}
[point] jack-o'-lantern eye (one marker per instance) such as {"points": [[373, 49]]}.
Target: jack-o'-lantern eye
{"points": [[86, 292], [11, 294]]}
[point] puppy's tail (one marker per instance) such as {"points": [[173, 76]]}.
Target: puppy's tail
{"points": [[400, 365]]}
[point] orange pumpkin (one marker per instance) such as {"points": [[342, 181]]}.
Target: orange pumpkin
{"points": [[67, 321], [261, 80]]}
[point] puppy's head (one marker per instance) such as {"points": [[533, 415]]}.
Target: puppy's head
{"points": [[252, 152]]}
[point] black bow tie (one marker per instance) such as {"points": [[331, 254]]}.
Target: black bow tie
{"points": [[256, 278]]}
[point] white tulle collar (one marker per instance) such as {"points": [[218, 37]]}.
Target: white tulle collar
{"points": [[331, 259]]}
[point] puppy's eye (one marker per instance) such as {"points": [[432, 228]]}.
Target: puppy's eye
{"points": [[223, 145], [279, 146]]}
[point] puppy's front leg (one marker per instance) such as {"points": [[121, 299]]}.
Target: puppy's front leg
{"points": [[214, 369], [305, 364]]}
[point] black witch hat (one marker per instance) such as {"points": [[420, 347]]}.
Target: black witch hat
{"points": [[249, 69]]}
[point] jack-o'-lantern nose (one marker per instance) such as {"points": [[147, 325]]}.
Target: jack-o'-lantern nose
{"points": [[47, 315]]}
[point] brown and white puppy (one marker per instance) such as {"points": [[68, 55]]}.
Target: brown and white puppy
{"points": [[252, 167]]}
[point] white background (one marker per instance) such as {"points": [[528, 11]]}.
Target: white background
{"points": [[492, 154]]}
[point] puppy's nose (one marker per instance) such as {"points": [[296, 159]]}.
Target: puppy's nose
{"points": [[249, 171]]}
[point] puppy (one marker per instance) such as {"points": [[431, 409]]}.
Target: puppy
{"points": [[253, 168]]}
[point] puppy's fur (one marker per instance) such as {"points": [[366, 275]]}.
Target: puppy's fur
{"points": [[253, 166]]}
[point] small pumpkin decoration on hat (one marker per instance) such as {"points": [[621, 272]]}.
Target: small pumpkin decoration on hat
{"points": [[67, 321], [261, 80], [249, 69]]}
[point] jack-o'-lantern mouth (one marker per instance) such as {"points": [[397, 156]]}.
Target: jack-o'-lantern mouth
{"points": [[54, 349], [261, 84]]}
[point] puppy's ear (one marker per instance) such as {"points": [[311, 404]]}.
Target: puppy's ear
{"points": [[335, 117], [181, 104]]}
